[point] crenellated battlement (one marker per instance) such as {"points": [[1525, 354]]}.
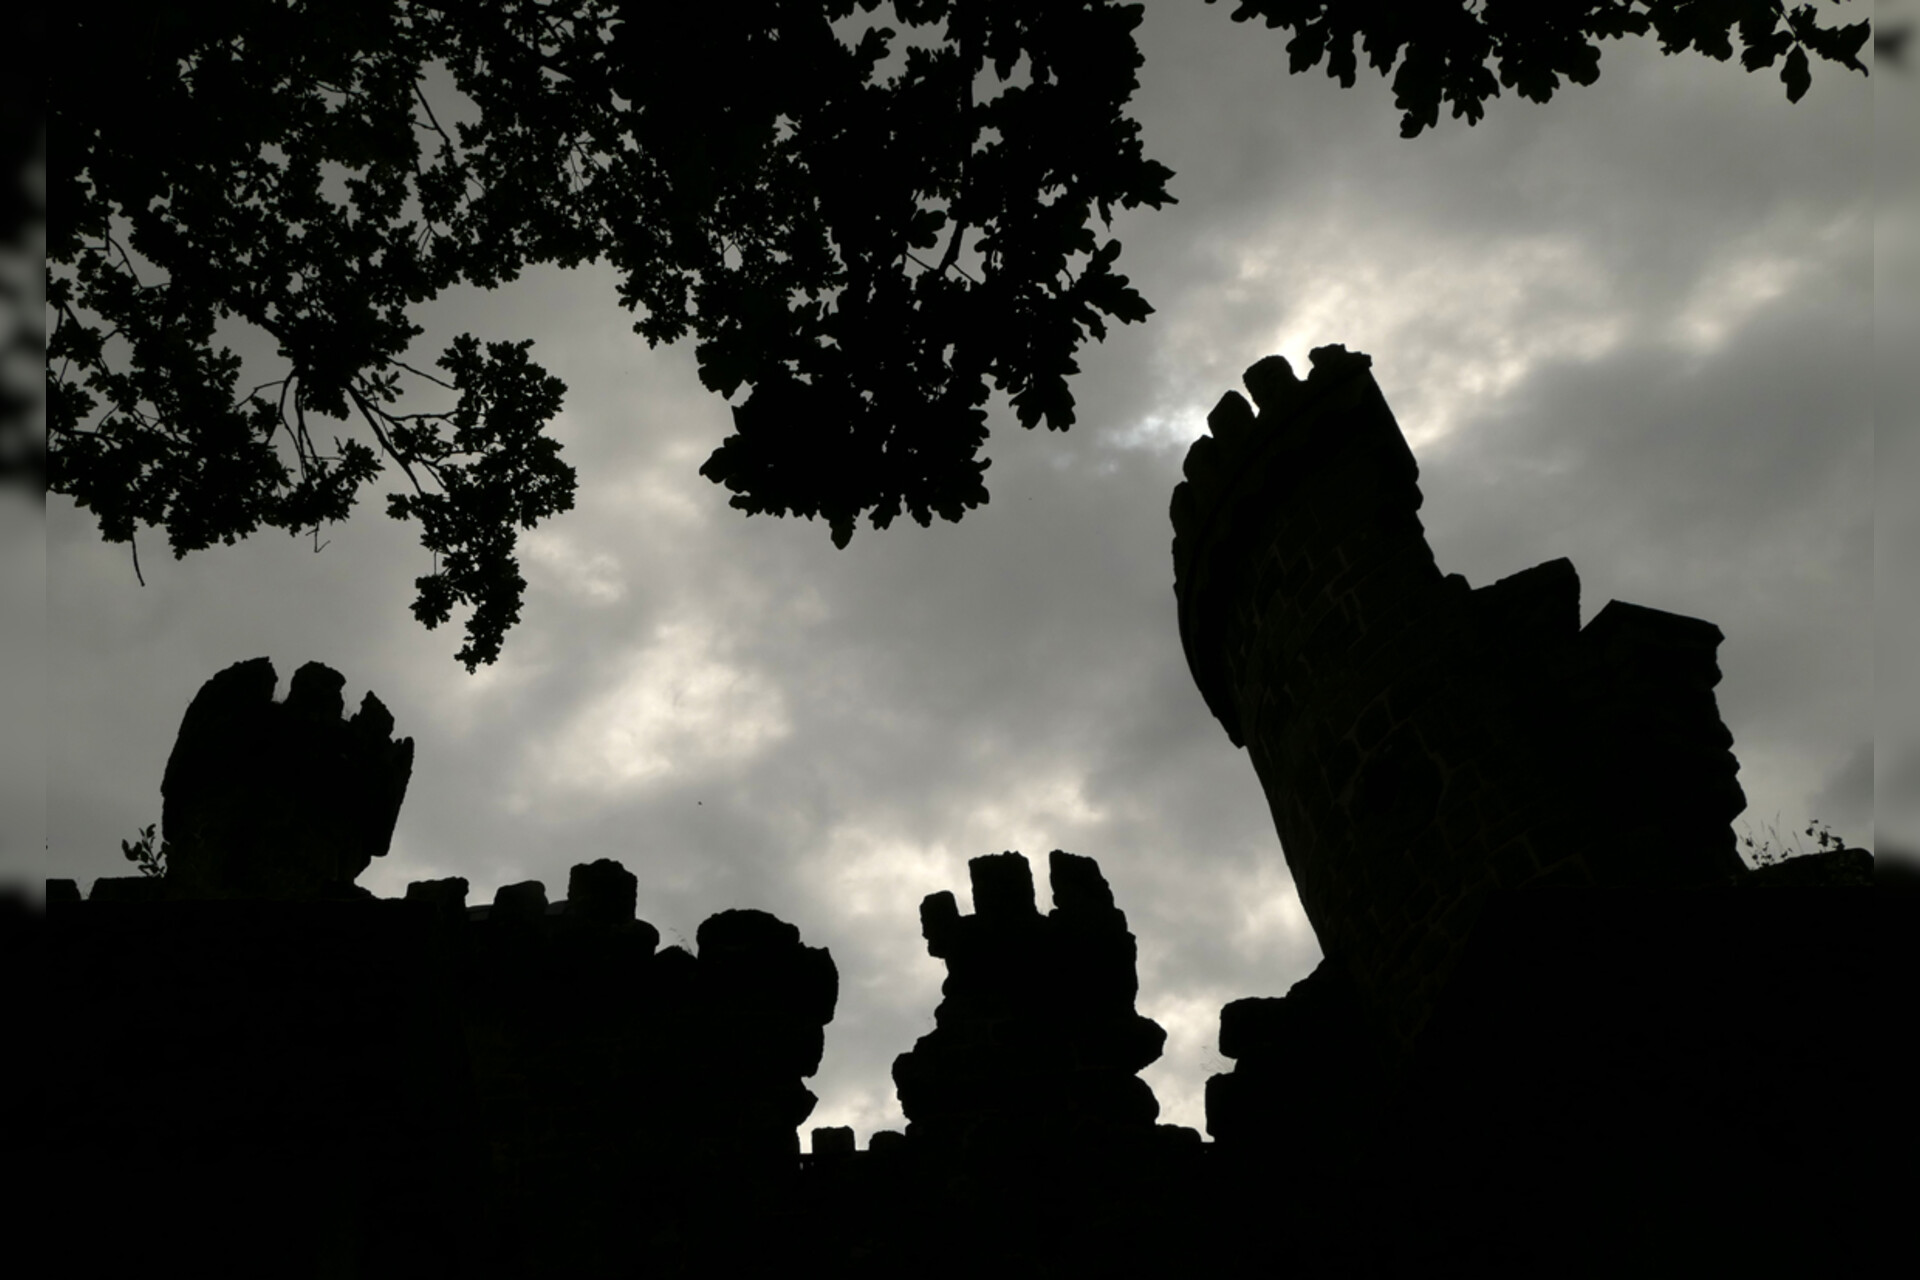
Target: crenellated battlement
{"points": [[510, 1087], [1036, 1030], [1423, 743], [280, 800], [1486, 807]]}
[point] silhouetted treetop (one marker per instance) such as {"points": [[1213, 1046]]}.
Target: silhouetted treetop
{"points": [[867, 228], [1463, 52], [864, 249]]}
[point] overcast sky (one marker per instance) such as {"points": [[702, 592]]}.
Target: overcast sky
{"points": [[1630, 327]]}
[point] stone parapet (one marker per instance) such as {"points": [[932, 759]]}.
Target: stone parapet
{"points": [[1422, 743], [280, 800], [513, 1090], [1036, 1030]]}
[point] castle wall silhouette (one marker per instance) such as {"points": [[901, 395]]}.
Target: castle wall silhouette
{"points": [[1554, 1029]]}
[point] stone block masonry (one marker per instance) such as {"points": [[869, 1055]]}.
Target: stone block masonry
{"points": [[276, 1073], [1553, 1032], [280, 800], [1037, 1029], [416, 1087], [1422, 743], [1032, 1146]]}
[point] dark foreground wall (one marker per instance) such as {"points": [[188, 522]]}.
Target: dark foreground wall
{"points": [[402, 1088], [256, 1068], [1662, 1064], [1616, 1082]]}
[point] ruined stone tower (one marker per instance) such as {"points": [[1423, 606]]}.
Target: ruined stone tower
{"points": [[301, 1078], [1037, 1029], [280, 800], [1422, 742]]}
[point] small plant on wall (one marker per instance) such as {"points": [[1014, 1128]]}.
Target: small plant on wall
{"points": [[153, 862], [1767, 851]]}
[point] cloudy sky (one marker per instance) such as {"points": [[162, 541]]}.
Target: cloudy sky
{"points": [[1631, 327]]}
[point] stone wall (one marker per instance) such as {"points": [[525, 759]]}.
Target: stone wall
{"points": [[276, 1073], [627, 1090], [1553, 1033], [1423, 743], [267, 1087], [531, 1087], [1036, 1027], [1031, 1145], [280, 800], [1509, 1063], [527, 1086]]}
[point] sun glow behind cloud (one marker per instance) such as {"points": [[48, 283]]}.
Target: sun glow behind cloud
{"points": [[1474, 323], [1465, 326]]}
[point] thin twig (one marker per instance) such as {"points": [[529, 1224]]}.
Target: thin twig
{"points": [[124, 258], [957, 267], [286, 385], [447, 145], [960, 226], [960, 229], [429, 377], [433, 119], [366, 411], [302, 442]]}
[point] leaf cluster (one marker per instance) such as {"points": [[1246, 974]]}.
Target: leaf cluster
{"points": [[885, 247], [1463, 52], [273, 173], [152, 862], [1772, 849], [868, 226], [865, 251]]}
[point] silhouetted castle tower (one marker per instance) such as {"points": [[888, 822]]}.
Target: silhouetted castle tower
{"points": [[1031, 1144], [280, 800], [295, 1077], [292, 1077], [1422, 742], [1550, 1011], [1036, 1031]]}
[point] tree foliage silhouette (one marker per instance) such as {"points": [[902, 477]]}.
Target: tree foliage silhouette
{"points": [[867, 251], [1447, 51]]}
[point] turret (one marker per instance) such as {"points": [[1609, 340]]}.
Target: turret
{"points": [[280, 800], [1422, 742]]}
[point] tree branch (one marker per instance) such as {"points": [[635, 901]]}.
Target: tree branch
{"points": [[367, 412], [960, 229], [433, 119], [915, 258], [960, 224], [302, 442], [429, 377]]}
